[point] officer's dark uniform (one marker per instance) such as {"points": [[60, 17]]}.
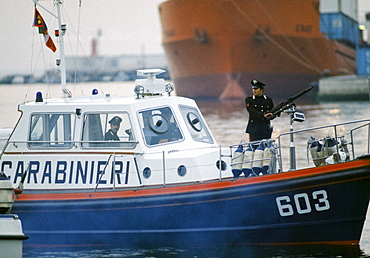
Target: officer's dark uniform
{"points": [[258, 126], [111, 135]]}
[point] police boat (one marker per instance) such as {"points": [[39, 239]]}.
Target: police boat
{"points": [[145, 170], [165, 180]]}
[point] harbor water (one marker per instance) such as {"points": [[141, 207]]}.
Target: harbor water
{"points": [[227, 120]]}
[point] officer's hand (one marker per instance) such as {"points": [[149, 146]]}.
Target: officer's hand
{"points": [[268, 116]]}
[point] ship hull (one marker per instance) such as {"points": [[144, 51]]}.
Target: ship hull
{"points": [[218, 48], [220, 86], [318, 205]]}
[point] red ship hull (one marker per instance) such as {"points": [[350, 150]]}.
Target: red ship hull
{"points": [[215, 48]]}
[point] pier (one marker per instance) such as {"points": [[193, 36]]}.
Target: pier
{"points": [[349, 87]]}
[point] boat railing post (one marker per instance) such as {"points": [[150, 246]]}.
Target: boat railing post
{"points": [[114, 172], [336, 139], [103, 172], [279, 155], [137, 171], [352, 137], [292, 147], [220, 163], [164, 168], [353, 146], [368, 138], [368, 82]]}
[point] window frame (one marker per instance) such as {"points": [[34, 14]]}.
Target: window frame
{"points": [[196, 132], [102, 143], [51, 126], [154, 134]]}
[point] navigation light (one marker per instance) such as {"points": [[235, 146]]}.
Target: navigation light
{"points": [[139, 90], [39, 97], [169, 88]]}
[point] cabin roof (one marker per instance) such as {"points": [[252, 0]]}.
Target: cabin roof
{"points": [[105, 102]]}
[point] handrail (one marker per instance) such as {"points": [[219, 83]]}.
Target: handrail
{"points": [[323, 127], [368, 137], [334, 126], [70, 144]]}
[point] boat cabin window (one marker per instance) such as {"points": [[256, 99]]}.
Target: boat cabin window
{"points": [[195, 124], [51, 130], [159, 126], [107, 130]]}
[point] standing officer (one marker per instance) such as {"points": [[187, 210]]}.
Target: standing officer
{"points": [[258, 106]]}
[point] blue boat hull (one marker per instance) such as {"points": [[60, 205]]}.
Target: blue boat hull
{"points": [[318, 205]]}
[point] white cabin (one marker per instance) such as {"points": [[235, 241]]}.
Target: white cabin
{"points": [[61, 142]]}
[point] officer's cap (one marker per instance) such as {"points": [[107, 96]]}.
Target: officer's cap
{"points": [[115, 120], [257, 84]]}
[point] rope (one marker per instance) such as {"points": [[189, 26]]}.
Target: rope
{"points": [[31, 66], [65, 14], [296, 50], [78, 40], [35, 61], [42, 55], [79, 46]]}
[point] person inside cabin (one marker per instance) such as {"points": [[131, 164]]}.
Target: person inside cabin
{"points": [[115, 124], [258, 106]]}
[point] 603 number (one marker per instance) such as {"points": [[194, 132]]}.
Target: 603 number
{"points": [[303, 203]]}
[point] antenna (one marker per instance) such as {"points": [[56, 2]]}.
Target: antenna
{"points": [[151, 86], [150, 73]]}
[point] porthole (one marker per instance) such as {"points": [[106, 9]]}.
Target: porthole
{"points": [[194, 121], [223, 165], [181, 170], [158, 123], [147, 172]]}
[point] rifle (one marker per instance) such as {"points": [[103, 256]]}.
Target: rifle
{"points": [[288, 102]]}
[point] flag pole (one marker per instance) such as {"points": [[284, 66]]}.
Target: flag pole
{"points": [[37, 3], [62, 65]]}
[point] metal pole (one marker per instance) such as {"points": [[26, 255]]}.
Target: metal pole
{"points": [[114, 172], [368, 82], [279, 155], [336, 140], [368, 138], [220, 163], [292, 147], [164, 170], [62, 65], [137, 171]]}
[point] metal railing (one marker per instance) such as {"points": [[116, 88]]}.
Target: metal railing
{"points": [[339, 131]]}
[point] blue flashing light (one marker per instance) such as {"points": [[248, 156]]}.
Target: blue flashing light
{"points": [[95, 92], [39, 97]]}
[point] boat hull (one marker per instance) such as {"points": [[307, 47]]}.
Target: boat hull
{"points": [[318, 205]]}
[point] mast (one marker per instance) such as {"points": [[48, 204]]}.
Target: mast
{"points": [[62, 66], [61, 63]]}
